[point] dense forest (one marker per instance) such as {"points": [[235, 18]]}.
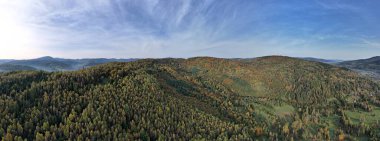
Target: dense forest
{"points": [[268, 98]]}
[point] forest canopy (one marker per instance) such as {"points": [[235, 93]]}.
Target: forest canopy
{"points": [[191, 99]]}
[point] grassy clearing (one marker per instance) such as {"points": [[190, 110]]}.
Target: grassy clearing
{"points": [[242, 86], [284, 110], [332, 121], [368, 117]]}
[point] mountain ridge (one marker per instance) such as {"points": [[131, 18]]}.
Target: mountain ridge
{"points": [[48, 63], [329, 61], [368, 67]]}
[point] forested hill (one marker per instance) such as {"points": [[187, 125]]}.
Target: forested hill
{"points": [[191, 99]]}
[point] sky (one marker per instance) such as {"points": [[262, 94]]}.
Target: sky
{"points": [[331, 29]]}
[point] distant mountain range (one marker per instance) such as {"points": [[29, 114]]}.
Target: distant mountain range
{"points": [[369, 67], [328, 61], [4, 61], [54, 64]]}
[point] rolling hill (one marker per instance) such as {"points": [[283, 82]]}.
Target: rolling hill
{"points": [[368, 67], [54, 64], [203, 98]]}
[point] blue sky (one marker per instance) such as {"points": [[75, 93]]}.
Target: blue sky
{"points": [[335, 29]]}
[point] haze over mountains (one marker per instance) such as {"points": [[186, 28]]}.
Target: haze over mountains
{"points": [[54, 64], [4, 61], [368, 67], [329, 61]]}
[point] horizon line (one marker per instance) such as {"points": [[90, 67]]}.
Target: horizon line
{"points": [[184, 57]]}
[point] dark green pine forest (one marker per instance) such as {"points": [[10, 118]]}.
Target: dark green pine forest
{"points": [[267, 98]]}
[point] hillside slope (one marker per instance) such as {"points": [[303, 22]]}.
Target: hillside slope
{"points": [[199, 98]]}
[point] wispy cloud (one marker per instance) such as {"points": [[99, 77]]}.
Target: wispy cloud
{"points": [[370, 43]]}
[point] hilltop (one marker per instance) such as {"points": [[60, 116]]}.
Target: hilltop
{"points": [[207, 98]]}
